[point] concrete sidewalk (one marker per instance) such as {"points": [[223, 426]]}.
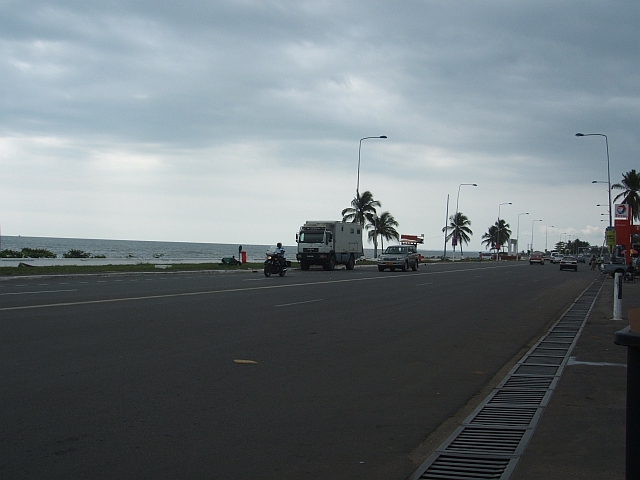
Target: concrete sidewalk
{"points": [[582, 432]]}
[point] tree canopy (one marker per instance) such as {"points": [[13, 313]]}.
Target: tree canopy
{"points": [[459, 229], [630, 185], [362, 208]]}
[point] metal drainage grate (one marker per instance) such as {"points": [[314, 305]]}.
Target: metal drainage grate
{"points": [[487, 440], [543, 383], [515, 417], [492, 439], [450, 467], [518, 397]]}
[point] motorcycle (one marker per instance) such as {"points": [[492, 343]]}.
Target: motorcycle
{"points": [[275, 264]]}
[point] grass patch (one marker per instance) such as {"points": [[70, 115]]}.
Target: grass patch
{"points": [[137, 268]]}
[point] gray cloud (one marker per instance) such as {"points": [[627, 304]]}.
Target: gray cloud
{"points": [[492, 90]]}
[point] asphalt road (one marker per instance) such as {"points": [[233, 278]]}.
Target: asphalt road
{"points": [[133, 376]]}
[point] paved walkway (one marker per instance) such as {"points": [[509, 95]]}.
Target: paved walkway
{"points": [[582, 432]]}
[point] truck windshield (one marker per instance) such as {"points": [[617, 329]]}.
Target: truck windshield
{"points": [[312, 237]]}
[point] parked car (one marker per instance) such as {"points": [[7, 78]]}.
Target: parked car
{"points": [[569, 263], [399, 256], [536, 257]]}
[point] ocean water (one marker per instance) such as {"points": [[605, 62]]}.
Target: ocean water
{"points": [[138, 249]]}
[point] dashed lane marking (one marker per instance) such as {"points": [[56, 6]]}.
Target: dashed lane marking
{"points": [[39, 291], [234, 290]]}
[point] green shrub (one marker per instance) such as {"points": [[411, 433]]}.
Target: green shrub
{"points": [[37, 253], [10, 254], [74, 253]]}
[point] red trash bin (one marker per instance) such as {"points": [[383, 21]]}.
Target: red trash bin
{"points": [[243, 257]]}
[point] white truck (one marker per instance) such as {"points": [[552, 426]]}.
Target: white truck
{"points": [[328, 243]]}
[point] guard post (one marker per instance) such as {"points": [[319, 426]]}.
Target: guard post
{"points": [[630, 337], [617, 296]]}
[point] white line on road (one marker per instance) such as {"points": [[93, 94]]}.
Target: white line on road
{"points": [[573, 361], [40, 291], [299, 303], [244, 289], [420, 284]]}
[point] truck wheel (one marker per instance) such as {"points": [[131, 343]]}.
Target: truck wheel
{"points": [[380, 269], [304, 265], [405, 266], [332, 263], [351, 263]]}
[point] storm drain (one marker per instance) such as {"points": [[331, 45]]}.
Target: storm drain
{"points": [[490, 441]]}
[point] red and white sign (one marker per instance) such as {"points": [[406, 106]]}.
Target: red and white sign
{"points": [[411, 239], [622, 211]]}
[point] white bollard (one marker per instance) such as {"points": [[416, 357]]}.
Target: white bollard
{"points": [[617, 296]]}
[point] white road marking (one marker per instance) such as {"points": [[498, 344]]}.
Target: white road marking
{"points": [[299, 303], [573, 361], [420, 284], [40, 291], [245, 289]]}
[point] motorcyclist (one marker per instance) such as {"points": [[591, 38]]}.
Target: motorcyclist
{"points": [[280, 254]]}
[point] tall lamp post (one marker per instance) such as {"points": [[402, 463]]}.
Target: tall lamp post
{"points": [[532, 224], [518, 235], [359, 150], [498, 230], [546, 238], [608, 167], [456, 217]]}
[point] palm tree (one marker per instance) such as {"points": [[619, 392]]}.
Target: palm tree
{"points": [[459, 229], [383, 226], [498, 235], [489, 238], [363, 207], [631, 194]]}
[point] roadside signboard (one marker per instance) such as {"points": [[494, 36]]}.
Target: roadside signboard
{"points": [[622, 211]]}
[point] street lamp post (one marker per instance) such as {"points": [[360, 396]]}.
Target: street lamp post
{"points": [[456, 217], [546, 238], [608, 165], [532, 223], [446, 221], [498, 230], [518, 234], [359, 149]]}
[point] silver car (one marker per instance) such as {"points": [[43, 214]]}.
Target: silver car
{"points": [[399, 256], [569, 263]]}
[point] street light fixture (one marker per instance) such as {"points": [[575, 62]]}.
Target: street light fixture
{"points": [[608, 167], [498, 230], [456, 217], [518, 234], [546, 238], [532, 223], [359, 149]]}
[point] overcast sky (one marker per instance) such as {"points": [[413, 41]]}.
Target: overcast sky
{"points": [[237, 121]]}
